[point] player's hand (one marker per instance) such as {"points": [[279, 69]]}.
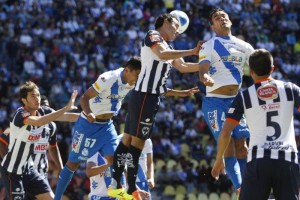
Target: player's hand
{"points": [[218, 168], [189, 92], [208, 81], [144, 195], [70, 105], [91, 117], [198, 47], [150, 183]]}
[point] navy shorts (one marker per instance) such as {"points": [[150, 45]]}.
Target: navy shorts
{"points": [[142, 108], [262, 174], [31, 182]]}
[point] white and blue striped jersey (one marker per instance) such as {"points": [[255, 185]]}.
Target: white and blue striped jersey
{"points": [[40, 160], [111, 90], [227, 56], [26, 141], [142, 171], [268, 107], [154, 72]]}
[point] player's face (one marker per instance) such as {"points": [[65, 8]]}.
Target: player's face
{"points": [[221, 22], [172, 29], [131, 76], [32, 102]]}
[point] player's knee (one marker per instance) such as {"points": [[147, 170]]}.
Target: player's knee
{"points": [[241, 151], [72, 166]]}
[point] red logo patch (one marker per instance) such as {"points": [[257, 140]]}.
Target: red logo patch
{"points": [[267, 92]]}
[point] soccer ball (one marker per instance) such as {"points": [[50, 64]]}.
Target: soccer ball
{"points": [[183, 20]]}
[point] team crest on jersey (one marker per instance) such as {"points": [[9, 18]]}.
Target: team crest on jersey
{"points": [[103, 79], [85, 152], [267, 92], [76, 141], [145, 130], [213, 120]]}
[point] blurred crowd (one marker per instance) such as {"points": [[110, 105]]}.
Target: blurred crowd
{"points": [[64, 45]]}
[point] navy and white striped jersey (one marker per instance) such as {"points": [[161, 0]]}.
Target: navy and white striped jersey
{"points": [[28, 144], [40, 157], [268, 107], [154, 72]]}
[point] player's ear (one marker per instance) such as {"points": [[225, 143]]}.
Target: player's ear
{"points": [[272, 69], [23, 101]]}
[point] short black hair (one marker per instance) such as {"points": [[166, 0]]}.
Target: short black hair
{"points": [[212, 12], [134, 63], [261, 62], [160, 20], [44, 101]]}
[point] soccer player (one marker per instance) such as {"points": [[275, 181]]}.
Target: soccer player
{"points": [[46, 142], [272, 159], [158, 58], [27, 126], [94, 130], [222, 59]]}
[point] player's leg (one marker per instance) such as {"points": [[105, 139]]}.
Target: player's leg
{"points": [[119, 159], [286, 180], [14, 185], [257, 180], [240, 134], [214, 110], [37, 185]]}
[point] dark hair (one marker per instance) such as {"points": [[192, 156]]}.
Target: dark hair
{"points": [[134, 63], [261, 62], [212, 12], [44, 101], [28, 86], [160, 20]]}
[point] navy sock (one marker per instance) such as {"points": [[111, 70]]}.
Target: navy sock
{"points": [[64, 179], [133, 156], [119, 163], [233, 171]]}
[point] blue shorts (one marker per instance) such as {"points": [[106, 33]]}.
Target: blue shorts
{"points": [[90, 138], [215, 110]]}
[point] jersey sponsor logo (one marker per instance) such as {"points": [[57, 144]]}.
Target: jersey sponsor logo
{"points": [[85, 152], [103, 79], [267, 92], [40, 147], [232, 58], [76, 141], [231, 110], [268, 107], [213, 120], [116, 96], [33, 138]]}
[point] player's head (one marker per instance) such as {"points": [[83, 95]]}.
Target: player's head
{"points": [[132, 70], [219, 20], [162, 18], [44, 101], [29, 92], [261, 62]]}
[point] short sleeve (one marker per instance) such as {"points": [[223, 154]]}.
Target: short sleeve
{"points": [[153, 38], [148, 146], [236, 110], [205, 52], [20, 117], [104, 81]]}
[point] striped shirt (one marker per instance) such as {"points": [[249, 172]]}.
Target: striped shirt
{"points": [[40, 157], [154, 72], [27, 141], [268, 107]]}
